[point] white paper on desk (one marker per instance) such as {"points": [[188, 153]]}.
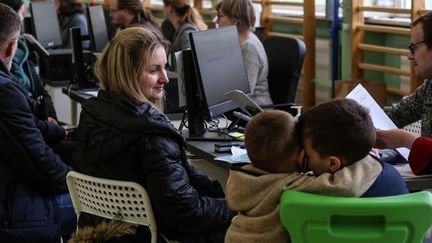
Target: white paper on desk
{"points": [[239, 155], [180, 79], [378, 116]]}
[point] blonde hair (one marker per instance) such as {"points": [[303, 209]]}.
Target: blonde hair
{"points": [[271, 138], [124, 59], [188, 13], [240, 10]]}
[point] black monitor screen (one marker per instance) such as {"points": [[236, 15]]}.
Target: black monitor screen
{"points": [[220, 67], [98, 28], [45, 24]]}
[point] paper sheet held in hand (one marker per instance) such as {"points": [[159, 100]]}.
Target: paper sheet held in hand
{"points": [[379, 118]]}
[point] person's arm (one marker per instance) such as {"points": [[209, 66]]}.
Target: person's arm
{"points": [[51, 131], [253, 65], [409, 108], [203, 184], [394, 138], [47, 172], [420, 157], [173, 196]]}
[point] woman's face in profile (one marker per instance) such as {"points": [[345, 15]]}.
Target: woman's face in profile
{"points": [[223, 20], [119, 17], [154, 76]]}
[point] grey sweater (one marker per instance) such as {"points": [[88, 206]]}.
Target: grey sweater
{"points": [[257, 69], [417, 106], [180, 42]]}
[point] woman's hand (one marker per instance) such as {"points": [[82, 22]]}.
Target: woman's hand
{"points": [[394, 138]]}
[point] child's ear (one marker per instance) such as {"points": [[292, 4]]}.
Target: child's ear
{"points": [[335, 163]]}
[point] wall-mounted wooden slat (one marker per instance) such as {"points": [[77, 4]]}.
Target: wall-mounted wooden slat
{"points": [[389, 50], [380, 68], [309, 28], [287, 20], [397, 92], [357, 37], [209, 12], [298, 4], [308, 21], [285, 35], [384, 29], [156, 8], [384, 9], [423, 11]]}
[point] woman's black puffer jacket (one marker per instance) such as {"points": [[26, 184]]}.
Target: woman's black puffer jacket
{"points": [[119, 139]]}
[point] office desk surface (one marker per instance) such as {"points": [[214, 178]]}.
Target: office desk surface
{"points": [[76, 95], [205, 150]]}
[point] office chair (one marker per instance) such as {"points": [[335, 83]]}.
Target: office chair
{"points": [[285, 58], [112, 199], [317, 218]]}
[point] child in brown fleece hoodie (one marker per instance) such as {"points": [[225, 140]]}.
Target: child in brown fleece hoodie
{"points": [[274, 148]]}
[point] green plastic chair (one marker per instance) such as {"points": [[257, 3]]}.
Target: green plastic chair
{"points": [[316, 218]]}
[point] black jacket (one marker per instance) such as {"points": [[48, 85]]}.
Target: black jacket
{"points": [[24, 67], [31, 174], [121, 140]]}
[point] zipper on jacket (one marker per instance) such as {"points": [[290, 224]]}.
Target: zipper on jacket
{"points": [[7, 207]]}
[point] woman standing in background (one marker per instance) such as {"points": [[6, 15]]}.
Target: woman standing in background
{"points": [[241, 14], [71, 14], [185, 19], [130, 12]]}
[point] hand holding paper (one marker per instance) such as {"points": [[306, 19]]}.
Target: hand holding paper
{"points": [[378, 116]]}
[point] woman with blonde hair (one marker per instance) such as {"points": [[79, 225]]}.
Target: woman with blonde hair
{"points": [[241, 14], [185, 19], [123, 135]]}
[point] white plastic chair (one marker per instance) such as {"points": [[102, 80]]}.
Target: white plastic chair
{"points": [[414, 128], [122, 200]]}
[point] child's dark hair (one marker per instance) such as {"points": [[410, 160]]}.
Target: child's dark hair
{"points": [[341, 128], [271, 137]]}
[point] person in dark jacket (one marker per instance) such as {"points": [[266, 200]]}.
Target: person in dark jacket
{"points": [[124, 135], [24, 72], [34, 202]]}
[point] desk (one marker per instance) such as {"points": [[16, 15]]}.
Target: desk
{"points": [[204, 149], [76, 98], [414, 183], [219, 169]]}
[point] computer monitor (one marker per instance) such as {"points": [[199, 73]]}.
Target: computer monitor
{"points": [[97, 28], [45, 24], [219, 67], [84, 76]]}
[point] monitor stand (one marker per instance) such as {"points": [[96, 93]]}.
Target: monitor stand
{"points": [[207, 136]]}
